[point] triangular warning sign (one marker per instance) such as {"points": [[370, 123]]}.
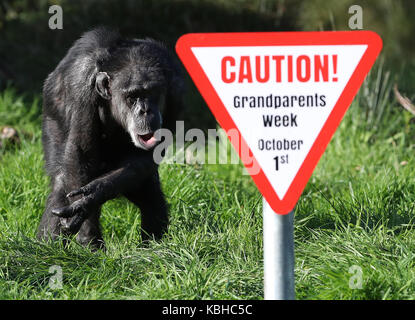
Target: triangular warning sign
{"points": [[286, 93]]}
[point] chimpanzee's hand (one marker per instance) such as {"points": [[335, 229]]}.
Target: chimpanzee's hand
{"points": [[79, 209]]}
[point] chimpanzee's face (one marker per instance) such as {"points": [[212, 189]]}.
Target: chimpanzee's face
{"points": [[137, 102], [145, 115]]}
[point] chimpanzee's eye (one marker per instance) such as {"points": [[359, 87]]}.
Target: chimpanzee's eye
{"points": [[131, 100]]}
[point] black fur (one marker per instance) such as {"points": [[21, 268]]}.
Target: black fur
{"points": [[100, 107]]}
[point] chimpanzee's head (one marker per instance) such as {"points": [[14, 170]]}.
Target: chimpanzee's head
{"points": [[135, 80]]}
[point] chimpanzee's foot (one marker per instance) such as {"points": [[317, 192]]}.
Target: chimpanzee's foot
{"points": [[90, 234], [94, 244], [49, 227]]}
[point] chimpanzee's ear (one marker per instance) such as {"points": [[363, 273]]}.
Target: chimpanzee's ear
{"points": [[102, 85]]}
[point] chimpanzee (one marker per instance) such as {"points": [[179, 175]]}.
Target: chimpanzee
{"points": [[101, 107]]}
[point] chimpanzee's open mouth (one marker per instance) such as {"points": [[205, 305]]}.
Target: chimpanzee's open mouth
{"points": [[148, 140]]}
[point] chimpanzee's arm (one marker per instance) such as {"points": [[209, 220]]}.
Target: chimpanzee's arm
{"points": [[132, 172]]}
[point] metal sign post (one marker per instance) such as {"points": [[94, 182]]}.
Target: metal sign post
{"points": [[278, 254]]}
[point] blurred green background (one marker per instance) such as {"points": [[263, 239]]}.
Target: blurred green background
{"points": [[29, 50]]}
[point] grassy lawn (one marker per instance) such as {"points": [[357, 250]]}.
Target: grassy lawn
{"points": [[356, 211]]}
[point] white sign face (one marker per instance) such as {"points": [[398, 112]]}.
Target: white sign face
{"points": [[281, 109], [285, 92]]}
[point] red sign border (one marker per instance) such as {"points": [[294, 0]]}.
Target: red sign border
{"points": [[208, 92]]}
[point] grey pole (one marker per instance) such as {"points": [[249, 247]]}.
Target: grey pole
{"points": [[278, 254]]}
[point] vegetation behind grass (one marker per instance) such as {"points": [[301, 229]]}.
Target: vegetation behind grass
{"points": [[29, 50], [357, 210]]}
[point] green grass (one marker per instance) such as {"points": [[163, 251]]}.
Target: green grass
{"points": [[357, 210]]}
